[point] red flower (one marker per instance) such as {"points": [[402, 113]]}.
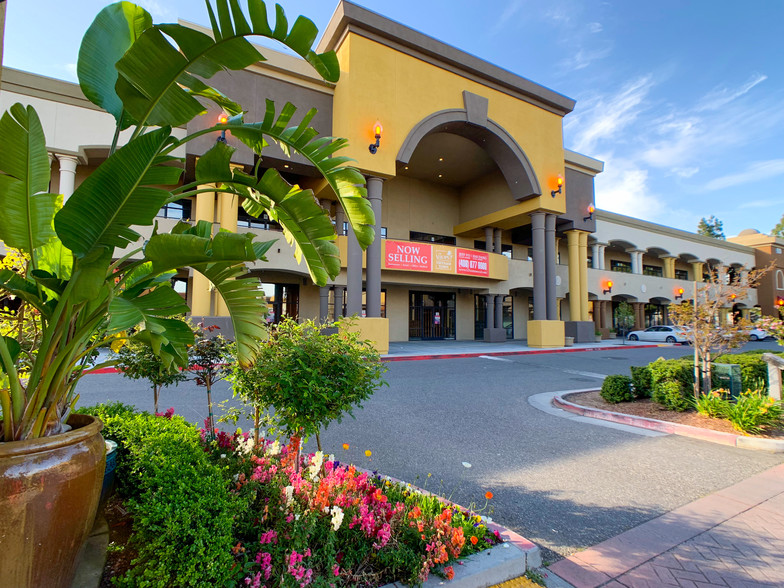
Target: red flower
{"points": [[449, 571], [488, 495]]}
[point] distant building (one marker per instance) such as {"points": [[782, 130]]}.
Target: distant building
{"points": [[768, 249]]}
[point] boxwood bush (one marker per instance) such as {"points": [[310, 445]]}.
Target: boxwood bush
{"points": [[672, 383], [753, 369], [617, 388], [642, 381], [180, 502]]}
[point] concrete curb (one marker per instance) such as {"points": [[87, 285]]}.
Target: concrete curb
{"points": [[731, 439], [390, 358], [92, 557]]}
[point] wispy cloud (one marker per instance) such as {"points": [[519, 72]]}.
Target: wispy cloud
{"points": [[763, 203], [158, 10], [719, 97], [512, 8], [584, 57], [595, 27], [758, 170]]}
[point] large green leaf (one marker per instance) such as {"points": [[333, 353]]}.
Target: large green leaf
{"points": [[347, 183], [26, 207], [122, 192], [13, 283], [169, 339], [107, 39], [158, 82], [130, 309]]}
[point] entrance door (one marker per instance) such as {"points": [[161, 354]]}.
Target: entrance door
{"points": [[431, 316], [480, 317]]}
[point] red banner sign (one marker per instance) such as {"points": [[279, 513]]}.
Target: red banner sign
{"points": [[473, 263], [406, 255]]}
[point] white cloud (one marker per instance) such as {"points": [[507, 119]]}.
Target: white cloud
{"points": [[583, 58], [762, 203], [758, 170], [607, 116], [719, 97], [685, 172], [159, 11], [512, 8], [595, 27]]}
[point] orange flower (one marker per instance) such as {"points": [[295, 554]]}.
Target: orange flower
{"points": [[345, 446], [474, 540], [488, 495], [449, 572]]}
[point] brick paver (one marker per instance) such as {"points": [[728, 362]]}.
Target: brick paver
{"points": [[731, 539]]}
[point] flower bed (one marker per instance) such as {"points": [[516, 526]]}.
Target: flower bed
{"points": [[261, 515]]}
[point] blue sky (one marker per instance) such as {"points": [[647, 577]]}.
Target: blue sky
{"points": [[682, 100]]}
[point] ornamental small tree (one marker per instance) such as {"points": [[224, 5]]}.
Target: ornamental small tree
{"points": [[208, 360], [310, 379], [707, 330], [624, 318], [138, 361]]}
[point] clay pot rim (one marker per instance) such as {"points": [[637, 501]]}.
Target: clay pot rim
{"points": [[84, 427]]}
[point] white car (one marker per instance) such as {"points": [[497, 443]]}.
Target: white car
{"points": [[758, 334], [660, 333]]}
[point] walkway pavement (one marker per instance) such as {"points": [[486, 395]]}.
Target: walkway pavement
{"points": [[413, 350], [732, 538]]}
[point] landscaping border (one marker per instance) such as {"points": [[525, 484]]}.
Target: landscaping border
{"points": [[731, 439]]}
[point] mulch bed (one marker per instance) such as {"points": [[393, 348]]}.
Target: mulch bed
{"points": [[119, 555], [647, 408]]}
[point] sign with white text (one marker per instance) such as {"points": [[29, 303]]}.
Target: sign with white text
{"points": [[406, 255], [473, 263], [441, 259]]}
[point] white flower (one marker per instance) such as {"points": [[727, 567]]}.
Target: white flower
{"points": [[337, 517], [274, 449], [315, 465], [245, 446], [223, 456], [289, 490]]}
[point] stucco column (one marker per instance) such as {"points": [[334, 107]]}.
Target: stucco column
{"points": [[550, 269], [201, 295], [665, 315], [639, 315], [324, 304], [340, 218], [354, 275], [228, 205], [68, 165], [584, 315], [497, 241], [337, 310], [697, 269], [602, 257], [489, 311], [595, 263], [489, 239], [636, 259], [499, 311], [373, 275], [669, 267], [573, 242], [540, 275]]}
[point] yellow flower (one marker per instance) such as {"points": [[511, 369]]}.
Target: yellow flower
{"points": [[118, 344], [345, 446], [368, 453]]}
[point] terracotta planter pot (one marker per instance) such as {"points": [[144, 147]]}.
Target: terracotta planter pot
{"points": [[49, 490]]}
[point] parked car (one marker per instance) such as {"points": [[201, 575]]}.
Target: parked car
{"points": [[758, 335], [661, 333]]}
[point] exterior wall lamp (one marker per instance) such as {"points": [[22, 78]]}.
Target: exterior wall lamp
{"points": [[780, 303], [560, 187], [591, 210], [377, 130], [223, 119], [679, 294], [607, 288]]}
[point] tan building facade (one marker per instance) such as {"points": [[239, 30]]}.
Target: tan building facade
{"points": [[485, 224]]}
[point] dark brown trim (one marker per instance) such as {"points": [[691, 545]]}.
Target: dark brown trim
{"points": [[376, 27]]}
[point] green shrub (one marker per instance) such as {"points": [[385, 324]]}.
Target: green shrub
{"points": [[753, 369], [753, 411], [642, 381], [715, 405], [617, 388], [182, 508], [672, 383]]}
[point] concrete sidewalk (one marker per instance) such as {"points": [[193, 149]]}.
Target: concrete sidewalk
{"points": [[414, 350], [734, 537]]}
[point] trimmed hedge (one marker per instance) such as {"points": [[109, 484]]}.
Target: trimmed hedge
{"points": [[642, 381], [753, 369], [672, 383], [617, 388], [182, 509]]}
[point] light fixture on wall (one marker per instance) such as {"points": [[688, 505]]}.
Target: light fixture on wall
{"points": [[560, 181], [591, 210], [679, 294], [607, 288], [377, 130], [222, 120], [780, 303]]}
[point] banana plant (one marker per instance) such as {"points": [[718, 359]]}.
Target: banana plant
{"points": [[152, 78]]}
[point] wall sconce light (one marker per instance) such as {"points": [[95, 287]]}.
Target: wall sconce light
{"points": [[560, 187], [607, 288], [591, 210], [222, 120], [780, 303], [377, 130], [679, 294]]}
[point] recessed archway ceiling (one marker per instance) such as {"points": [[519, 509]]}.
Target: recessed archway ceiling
{"points": [[457, 160]]}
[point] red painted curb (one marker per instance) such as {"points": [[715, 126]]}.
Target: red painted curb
{"points": [[670, 428], [506, 353]]}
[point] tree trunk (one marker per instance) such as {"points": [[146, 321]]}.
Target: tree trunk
{"points": [[318, 441], [210, 418], [155, 390], [256, 419]]}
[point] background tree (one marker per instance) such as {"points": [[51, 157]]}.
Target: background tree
{"points": [[778, 230], [708, 320], [624, 318], [711, 227], [209, 361], [138, 361]]}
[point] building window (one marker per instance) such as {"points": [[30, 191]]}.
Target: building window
{"points": [[431, 238], [681, 274], [621, 266], [590, 261], [506, 250], [779, 280], [181, 209], [263, 222], [383, 232], [652, 270]]}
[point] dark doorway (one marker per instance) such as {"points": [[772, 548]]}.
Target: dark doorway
{"points": [[431, 316], [480, 317]]}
